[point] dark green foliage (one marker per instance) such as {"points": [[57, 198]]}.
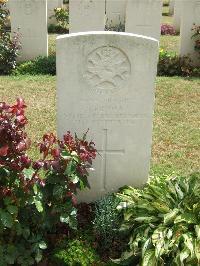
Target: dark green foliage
{"points": [[171, 64], [62, 18], [163, 222], [9, 46], [107, 220], [39, 66], [57, 29], [75, 252]]}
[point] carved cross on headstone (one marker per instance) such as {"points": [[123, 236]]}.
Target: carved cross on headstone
{"points": [[103, 152]]}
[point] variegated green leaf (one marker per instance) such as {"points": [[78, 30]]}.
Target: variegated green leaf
{"points": [[149, 258], [169, 217], [186, 217], [188, 241], [197, 230], [184, 255]]}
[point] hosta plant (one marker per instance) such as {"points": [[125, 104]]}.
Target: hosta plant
{"points": [[163, 222]]}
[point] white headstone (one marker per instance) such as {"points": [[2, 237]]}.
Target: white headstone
{"points": [[115, 12], [171, 7], [51, 4], [144, 17], [190, 16], [177, 13], [86, 15], [108, 87], [29, 17]]}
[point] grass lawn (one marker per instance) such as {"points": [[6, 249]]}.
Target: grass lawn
{"points": [[176, 137], [169, 43]]}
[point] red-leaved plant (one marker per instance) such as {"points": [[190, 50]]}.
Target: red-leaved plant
{"points": [[36, 196]]}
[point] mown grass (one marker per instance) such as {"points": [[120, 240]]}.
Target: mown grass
{"points": [[169, 43], [176, 136]]}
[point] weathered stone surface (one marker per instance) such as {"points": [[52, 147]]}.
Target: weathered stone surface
{"points": [[29, 17], [190, 16], [115, 12], [86, 15], [105, 82], [144, 17], [177, 13], [171, 7]]}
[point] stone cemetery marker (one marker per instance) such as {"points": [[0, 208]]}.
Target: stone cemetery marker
{"points": [[144, 17], [51, 4], [190, 16], [86, 15], [177, 13], [171, 7], [30, 18], [115, 12], [106, 83]]}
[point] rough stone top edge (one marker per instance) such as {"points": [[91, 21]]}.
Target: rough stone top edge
{"points": [[91, 33]]}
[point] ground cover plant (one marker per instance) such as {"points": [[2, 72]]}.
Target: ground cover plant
{"points": [[162, 221]]}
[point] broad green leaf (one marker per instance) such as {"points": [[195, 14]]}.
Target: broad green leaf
{"points": [[161, 207], [146, 219], [12, 209], [38, 205], [197, 230], [70, 168], [158, 240], [149, 258], [6, 219], [145, 246], [169, 217], [66, 154], [28, 173], [38, 256], [42, 245], [184, 255], [188, 241], [189, 218], [74, 179], [169, 233], [179, 191], [64, 218]]}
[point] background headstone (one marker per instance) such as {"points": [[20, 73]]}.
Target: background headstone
{"points": [[177, 13], [51, 4], [86, 15], [144, 17], [115, 12], [171, 7], [108, 87], [29, 17], [190, 16]]}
